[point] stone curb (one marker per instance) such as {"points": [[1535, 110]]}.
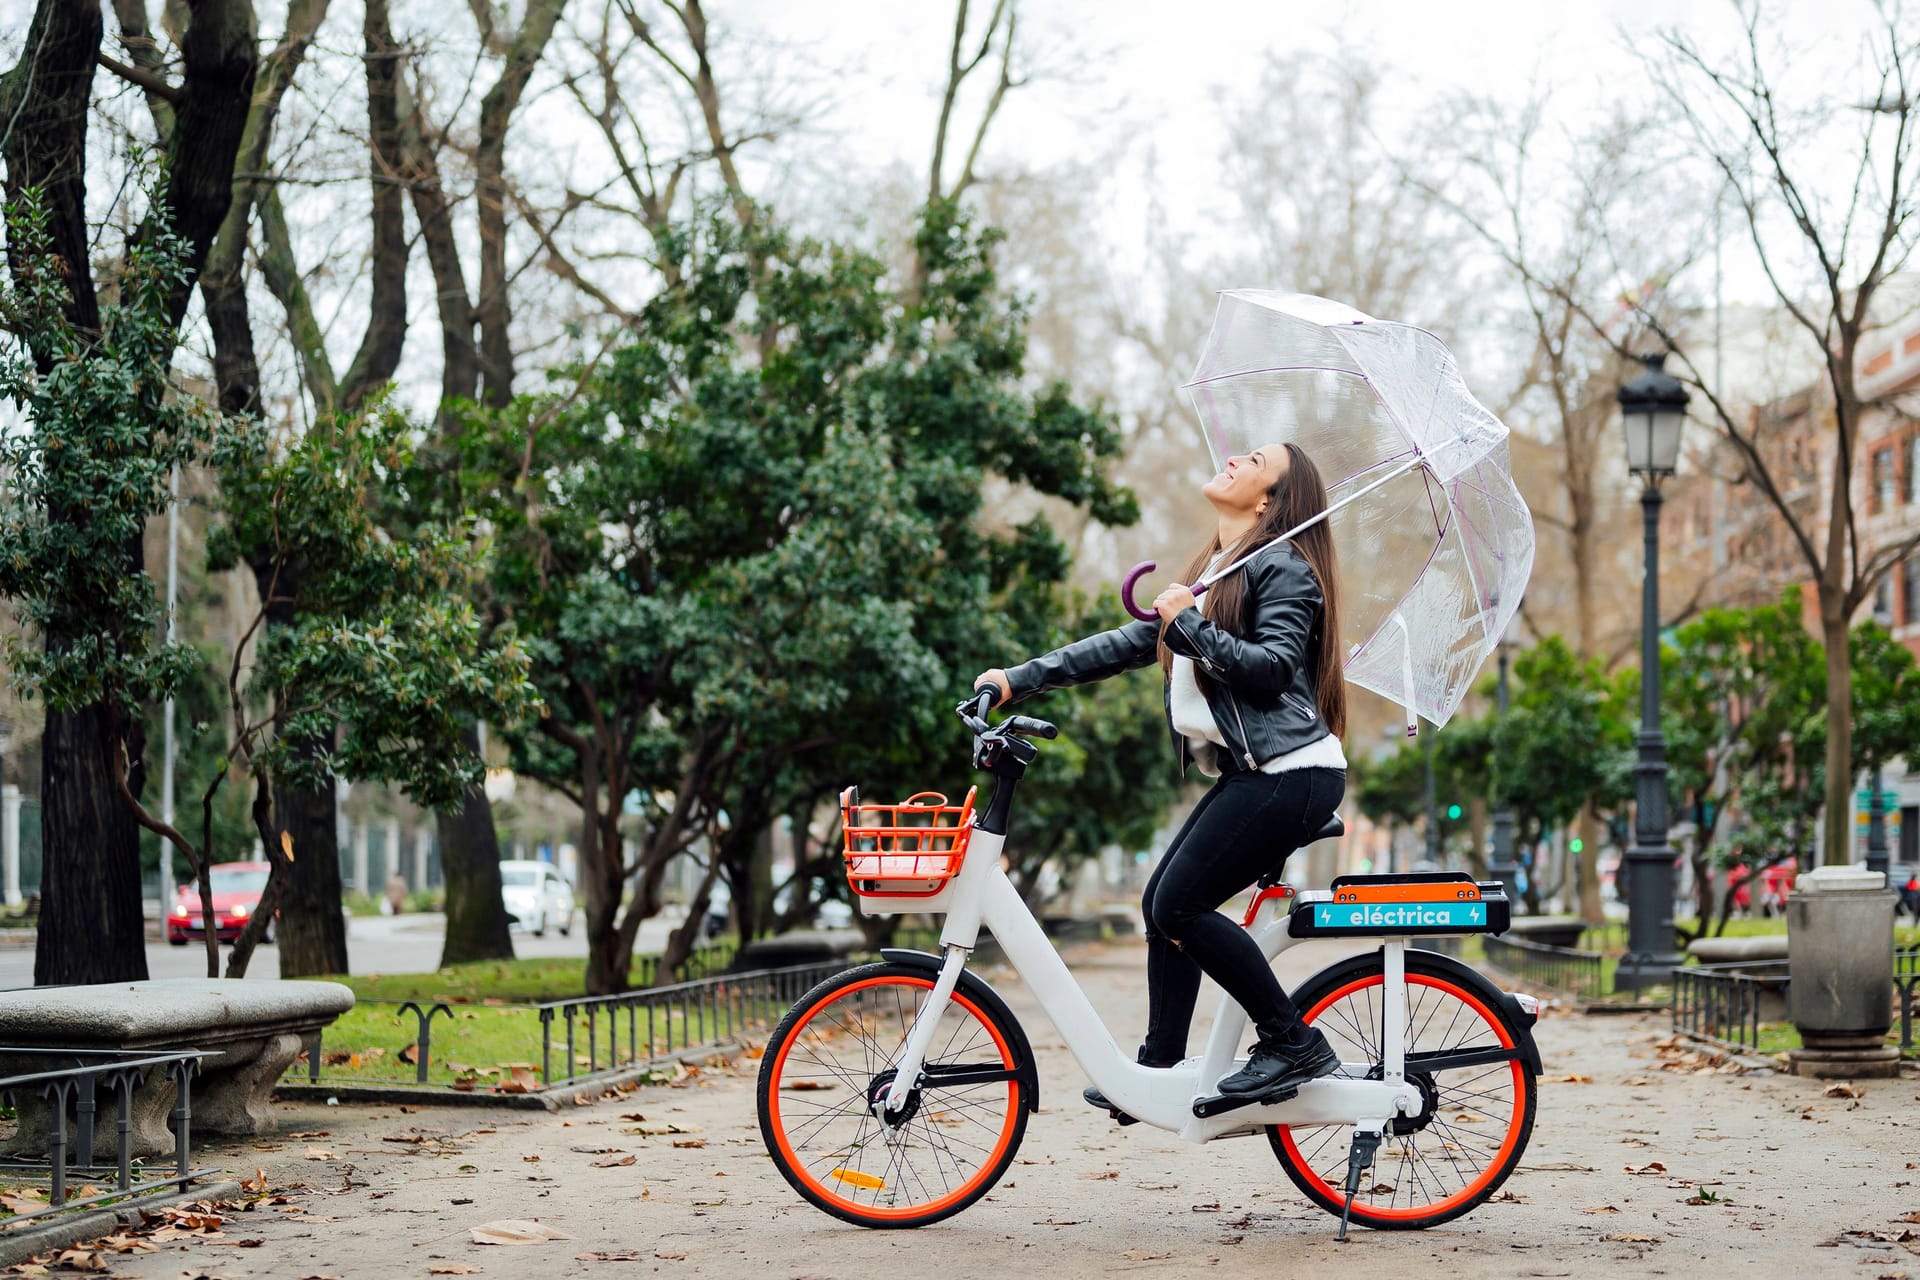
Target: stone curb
{"points": [[18, 1246], [544, 1100]]}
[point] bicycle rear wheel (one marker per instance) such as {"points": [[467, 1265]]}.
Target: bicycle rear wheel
{"points": [[1477, 1094], [832, 1057]]}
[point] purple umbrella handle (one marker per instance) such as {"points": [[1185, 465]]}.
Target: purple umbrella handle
{"points": [[1134, 575]]}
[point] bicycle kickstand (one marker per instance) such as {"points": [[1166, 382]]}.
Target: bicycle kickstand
{"points": [[1366, 1143]]}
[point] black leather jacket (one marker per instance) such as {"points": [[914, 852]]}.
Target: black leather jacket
{"points": [[1261, 690]]}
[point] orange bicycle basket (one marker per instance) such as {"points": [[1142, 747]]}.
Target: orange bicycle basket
{"points": [[906, 850]]}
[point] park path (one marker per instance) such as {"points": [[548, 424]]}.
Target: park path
{"points": [[1793, 1170]]}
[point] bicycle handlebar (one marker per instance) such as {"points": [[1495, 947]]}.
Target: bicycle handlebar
{"points": [[973, 714]]}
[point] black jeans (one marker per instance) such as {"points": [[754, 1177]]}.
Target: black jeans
{"points": [[1246, 825]]}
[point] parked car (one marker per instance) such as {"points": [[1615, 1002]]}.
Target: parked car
{"points": [[536, 895], [237, 887]]}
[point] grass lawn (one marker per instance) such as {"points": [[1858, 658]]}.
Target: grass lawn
{"points": [[494, 1027]]}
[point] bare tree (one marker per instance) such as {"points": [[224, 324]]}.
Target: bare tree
{"points": [[1828, 261]]}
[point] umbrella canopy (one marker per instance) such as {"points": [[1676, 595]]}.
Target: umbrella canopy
{"points": [[1435, 543]]}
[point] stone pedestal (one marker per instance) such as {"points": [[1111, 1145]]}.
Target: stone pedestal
{"points": [[1840, 953]]}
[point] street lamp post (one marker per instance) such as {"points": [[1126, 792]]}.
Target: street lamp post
{"points": [[1653, 408], [1503, 867]]}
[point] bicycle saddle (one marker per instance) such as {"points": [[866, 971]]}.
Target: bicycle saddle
{"points": [[1332, 827]]}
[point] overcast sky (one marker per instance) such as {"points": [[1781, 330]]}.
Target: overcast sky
{"points": [[1151, 74]]}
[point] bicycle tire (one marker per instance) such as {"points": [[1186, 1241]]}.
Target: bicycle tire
{"points": [[803, 1136], [1324, 1000]]}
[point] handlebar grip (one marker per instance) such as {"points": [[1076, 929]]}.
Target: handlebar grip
{"points": [[1028, 727]]}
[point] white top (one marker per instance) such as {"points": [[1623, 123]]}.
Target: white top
{"points": [[1193, 719]]}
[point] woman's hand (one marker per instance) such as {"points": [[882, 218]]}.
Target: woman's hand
{"points": [[996, 680], [1173, 600]]}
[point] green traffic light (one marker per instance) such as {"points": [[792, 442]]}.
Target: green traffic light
{"points": [[1453, 813], [1577, 844]]}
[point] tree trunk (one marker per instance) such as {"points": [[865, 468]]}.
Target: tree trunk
{"points": [[92, 925], [220, 54], [1837, 841], [470, 858], [1588, 869], [311, 929], [682, 941], [44, 101]]}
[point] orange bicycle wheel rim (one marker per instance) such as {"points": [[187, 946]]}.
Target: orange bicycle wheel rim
{"points": [[1496, 1163], [988, 1166]]}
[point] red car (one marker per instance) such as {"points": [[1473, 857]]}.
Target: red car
{"points": [[237, 887]]}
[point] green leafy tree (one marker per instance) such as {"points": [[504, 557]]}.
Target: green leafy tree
{"points": [[1741, 690], [107, 427], [748, 549], [1553, 751], [376, 651]]}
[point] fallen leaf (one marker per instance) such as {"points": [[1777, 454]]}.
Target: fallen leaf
{"points": [[81, 1260], [1106, 1176], [1843, 1089], [1509, 1197], [1645, 1169], [515, 1231], [798, 1086], [688, 1144], [597, 1255], [1571, 1079], [530, 1159], [670, 1257], [319, 1153], [1601, 1208], [1144, 1255], [614, 1162], [1628, 1237], [452, 1269]]}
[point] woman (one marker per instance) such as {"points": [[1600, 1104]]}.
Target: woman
{"points": [[1255, 696]]}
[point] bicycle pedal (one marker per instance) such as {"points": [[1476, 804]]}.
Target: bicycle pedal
{"points": [[1122, 1118], [1221, 1103]]}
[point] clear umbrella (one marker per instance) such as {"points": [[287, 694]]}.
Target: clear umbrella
{"points": [[1435, 542]]}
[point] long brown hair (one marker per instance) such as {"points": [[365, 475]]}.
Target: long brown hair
{"points": [[1298, 495]]}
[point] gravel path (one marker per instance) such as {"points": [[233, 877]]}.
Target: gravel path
{"points": [[1790, 1172]]}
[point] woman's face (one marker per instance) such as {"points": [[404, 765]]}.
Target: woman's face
{"points": [[1242, 488]]}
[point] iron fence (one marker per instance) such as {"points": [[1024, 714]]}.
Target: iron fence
{"points": [[664, 1021], [1725, 1004], [588, 1036], [66, 1100], [1577, 973], [1906, 978]]}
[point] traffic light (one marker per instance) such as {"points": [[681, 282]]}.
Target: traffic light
{"points": [[1576, 844], [1453, 813]]}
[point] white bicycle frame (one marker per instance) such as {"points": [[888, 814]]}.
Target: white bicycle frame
{"points": [[981, 894]]}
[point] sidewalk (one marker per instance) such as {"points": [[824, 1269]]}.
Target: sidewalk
{"points": [[688, 1190]]}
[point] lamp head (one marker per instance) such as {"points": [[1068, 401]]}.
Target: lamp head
{"points": [[1653, 409]]}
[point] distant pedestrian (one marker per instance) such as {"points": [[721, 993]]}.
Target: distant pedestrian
{"points": [[1910, 896], [396, 894]]}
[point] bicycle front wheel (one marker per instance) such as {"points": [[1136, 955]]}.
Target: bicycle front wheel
{"points": [[1477, 1095], [832, 1058]]}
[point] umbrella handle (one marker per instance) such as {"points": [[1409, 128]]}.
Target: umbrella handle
{"points": [[1134, 575]]}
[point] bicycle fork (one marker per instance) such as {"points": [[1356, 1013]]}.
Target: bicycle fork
{"points": [[1368, 1135], [909, 1072]]}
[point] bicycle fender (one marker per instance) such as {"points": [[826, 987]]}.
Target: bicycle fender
{"points": [[983, 995], [1522, 1023]]}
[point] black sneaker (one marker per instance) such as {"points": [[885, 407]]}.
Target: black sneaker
{"points": [[1276, 1069]]}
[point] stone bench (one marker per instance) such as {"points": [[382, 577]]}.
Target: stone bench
{"points": [[1764, 959], [1548, 931], [1739, 950], [251, 1030]]}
